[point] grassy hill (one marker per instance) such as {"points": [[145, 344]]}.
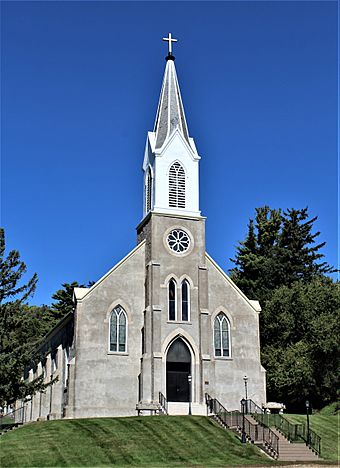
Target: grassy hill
{"points": [[326, 425], [138, 441]]}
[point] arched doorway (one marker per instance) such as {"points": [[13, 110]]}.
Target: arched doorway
{"points": [[178, 368]]}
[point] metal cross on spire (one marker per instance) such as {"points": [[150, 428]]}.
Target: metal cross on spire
{"points": [[169, 40]]}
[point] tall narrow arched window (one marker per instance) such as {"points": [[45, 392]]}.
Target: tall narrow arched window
{"points": [[172, 299], [118, 330], [222, 335], [177, 186], [148, 190], [185, 300]]}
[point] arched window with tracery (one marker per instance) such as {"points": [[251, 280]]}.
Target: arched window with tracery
{"points": [[118, 330], [172, 299], [177, 186], [222, 336], [148, 190], [185, 300]]}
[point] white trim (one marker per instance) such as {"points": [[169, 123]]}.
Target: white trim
{"points": [[233, 285], [167, 142], [181, 228], [79, 293]]}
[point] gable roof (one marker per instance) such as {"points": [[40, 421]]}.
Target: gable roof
{"points": [[80, 293], [255, 305]]}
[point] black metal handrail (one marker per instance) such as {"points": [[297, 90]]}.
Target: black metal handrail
{"points": [[254, 432], [163, 402], [311, 438], [294, 432]]}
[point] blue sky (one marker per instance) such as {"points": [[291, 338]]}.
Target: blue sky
{"points": [[80, 86]]}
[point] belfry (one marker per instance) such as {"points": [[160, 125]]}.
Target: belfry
{"points": [[165, 324]]}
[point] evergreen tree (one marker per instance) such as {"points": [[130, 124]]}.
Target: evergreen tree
{"points": [[19, 333], [64, 298], [279, 264], [278, 250]]}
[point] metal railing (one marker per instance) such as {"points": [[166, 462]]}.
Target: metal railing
{"points": [[294, 432], [163, 402], [311, 438], [252, 408], [234, 419]]}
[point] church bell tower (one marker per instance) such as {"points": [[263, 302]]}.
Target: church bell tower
{"points": [[175, 272], [171, 179]]}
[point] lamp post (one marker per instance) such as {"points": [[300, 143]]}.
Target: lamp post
{"points": [[189, 380], [244, 439], [307, 411], [245, 379]]}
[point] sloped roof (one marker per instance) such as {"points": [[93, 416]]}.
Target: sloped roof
{"points": [[170, 112]]}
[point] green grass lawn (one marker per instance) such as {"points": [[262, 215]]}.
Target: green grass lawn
{"points": [[327, 427], [6, 420], [137, 441]]}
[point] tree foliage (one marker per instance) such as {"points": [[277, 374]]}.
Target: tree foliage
{"points": [[280, 264], [64, 298], [21, 327], [300, 342], [279, 249]]}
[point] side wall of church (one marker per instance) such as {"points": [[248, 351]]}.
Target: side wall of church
{"points": [[106, 383], [225, 374], [54, 367]]}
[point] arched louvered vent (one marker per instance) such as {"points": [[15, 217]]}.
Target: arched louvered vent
{"points": [[148, 191], [177, 186]]}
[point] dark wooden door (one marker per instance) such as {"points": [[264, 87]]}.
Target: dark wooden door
{"points": [[178, 367]]}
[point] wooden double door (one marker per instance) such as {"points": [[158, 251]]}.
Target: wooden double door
{"points": [[178, 369]]}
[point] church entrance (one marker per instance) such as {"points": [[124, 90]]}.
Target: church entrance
{"points": [[178, 368]]}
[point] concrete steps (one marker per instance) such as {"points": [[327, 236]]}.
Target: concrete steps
{"points": [[182, 408], [292, 451], [250, 419]]}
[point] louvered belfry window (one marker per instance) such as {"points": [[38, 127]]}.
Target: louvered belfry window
{"points": [[148, 190], [177, 186]]}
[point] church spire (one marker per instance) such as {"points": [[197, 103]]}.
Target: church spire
{"points": [[171, 182], [170, 112]]}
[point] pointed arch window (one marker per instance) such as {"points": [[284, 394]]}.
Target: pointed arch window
{"points": [[222, 336], [172, 299], [177, 186], [185, 300], [118, 330], [148, 190]]}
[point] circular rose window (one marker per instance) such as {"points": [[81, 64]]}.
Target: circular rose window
{"points": [[178, 240]]}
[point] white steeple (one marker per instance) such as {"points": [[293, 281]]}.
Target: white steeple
{"points": [[171, 159]]}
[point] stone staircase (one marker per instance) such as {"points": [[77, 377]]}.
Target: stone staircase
{"points": [[292, 451], [179, 408]]}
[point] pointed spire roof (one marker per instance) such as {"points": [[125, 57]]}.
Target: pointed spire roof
{"points": [[170, 112]]}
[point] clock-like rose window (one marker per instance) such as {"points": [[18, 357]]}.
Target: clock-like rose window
{"points": [[178, 241]]}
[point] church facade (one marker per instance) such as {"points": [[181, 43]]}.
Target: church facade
{"points": [[164, 320]]}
